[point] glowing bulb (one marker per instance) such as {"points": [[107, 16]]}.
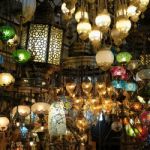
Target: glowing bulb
{"points": [[17, 124]]}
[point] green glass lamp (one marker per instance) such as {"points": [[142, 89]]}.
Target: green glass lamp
{"points": [[21, 55], [6, 32], [123, 57]]}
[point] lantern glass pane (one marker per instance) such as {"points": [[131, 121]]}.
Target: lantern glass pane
{"points": [[55, 44], [38, 35]]}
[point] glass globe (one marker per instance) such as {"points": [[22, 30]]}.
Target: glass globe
{"points": [[103, 20], [95, 37], [4, 122], [104, 58], [142, 4], [83, 28], [21, 55], [81, 13], [123, 24], [65, 10], [131, 10], [6, 79], [123, 57], [135, 18], [6, 33]]}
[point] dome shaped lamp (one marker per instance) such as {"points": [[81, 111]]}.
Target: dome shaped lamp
{"points": [[103, 20], [4, 122], [131, 10], [40, 108], [21, 55], [123, 57], [104, 58], [6, 79], [66, 10], [23, 110], [6, 32], [83, 28]]}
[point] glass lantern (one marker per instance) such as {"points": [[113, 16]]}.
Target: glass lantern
{"points": [[123, 57]]}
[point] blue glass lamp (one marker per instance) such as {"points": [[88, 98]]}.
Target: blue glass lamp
{"points": [[131, 86], [118, 84]]}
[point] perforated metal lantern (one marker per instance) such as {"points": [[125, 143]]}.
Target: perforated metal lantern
{"points": [[44, 41]]}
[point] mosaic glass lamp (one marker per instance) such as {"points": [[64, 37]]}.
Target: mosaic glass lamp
{"points": [[6, 32], [123, 57], [132, 87], [118, 84], [21, 55]]}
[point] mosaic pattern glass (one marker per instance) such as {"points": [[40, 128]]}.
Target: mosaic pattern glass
{"points": [[57, 119], [38, 36], [55, 45]]}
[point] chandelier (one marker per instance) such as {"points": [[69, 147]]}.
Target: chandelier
{"points": [[99, 19]]}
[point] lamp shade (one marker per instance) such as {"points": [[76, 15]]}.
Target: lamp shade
{"points": [[83, 29], [118, 84], [6, 79], [4, 122], [6, 32], [21, 55], [123, 24], [132, 87], [104, 58], [57, 119], [131, 10], [81, 13], [118, 71], [123, 57], [40, 108], [103, 20], [144, 74], [23, 110]]}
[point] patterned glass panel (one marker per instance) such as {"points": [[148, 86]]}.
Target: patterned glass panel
{"points": [[55, 45], [37, 41]]}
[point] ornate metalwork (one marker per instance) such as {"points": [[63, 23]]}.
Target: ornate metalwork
{"points": [[145, 59], [44, 41], [55, 44], [37, 42]]}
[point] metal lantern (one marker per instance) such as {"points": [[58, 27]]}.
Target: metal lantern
{"points": [[6, 79], [123, 57], [6, 32], [40, 108], [4, 122], [44, 41], [23, 110], [104, 58], [21, 55]]}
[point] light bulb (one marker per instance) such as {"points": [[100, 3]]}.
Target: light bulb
{"points": [[31, 143], [17, 124]]}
